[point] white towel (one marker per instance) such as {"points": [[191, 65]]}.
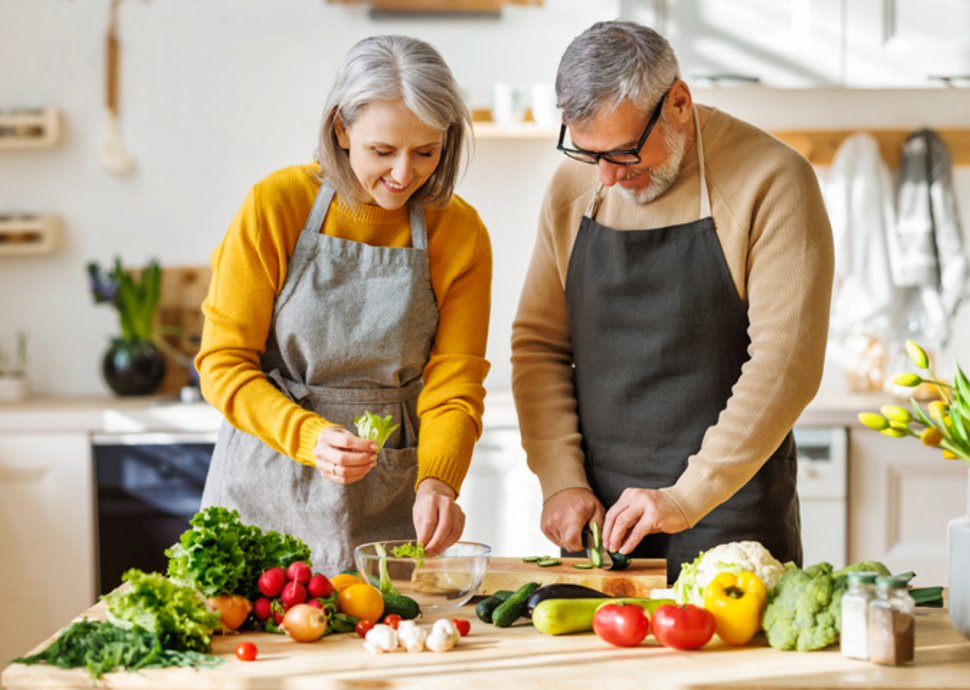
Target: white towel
{"points": [[926, 243], [859, 197]]}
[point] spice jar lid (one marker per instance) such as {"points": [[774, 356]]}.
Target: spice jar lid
{"points": [[891, 582], [865, 577]]}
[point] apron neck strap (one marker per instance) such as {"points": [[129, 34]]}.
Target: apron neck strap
{"points": [[705, 197], [321, 204]]}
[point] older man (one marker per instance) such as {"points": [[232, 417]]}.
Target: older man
{"points": [[673, 322]]}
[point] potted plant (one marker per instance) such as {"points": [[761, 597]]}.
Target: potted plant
{"points": [[944, 424], [133, 364], [13, 372]]}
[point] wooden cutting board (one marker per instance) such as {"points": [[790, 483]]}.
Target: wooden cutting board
{"points": [[643, 575]]}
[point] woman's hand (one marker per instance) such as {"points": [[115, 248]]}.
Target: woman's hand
{"points": [[342, 457], [438, 519]]}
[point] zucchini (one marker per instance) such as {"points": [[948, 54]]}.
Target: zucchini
{"points": [[406, 607], [514, 607], [562, 590], [618, 561], [487, 605], [564, 616]]}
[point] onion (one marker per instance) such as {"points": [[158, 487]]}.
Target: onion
{"points": [[232, 609], [305, 623]]}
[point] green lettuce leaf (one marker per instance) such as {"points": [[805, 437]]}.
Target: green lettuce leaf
{"points": [[375, 428]]}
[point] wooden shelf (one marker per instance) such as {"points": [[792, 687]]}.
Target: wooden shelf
{"points": [[29, 128], [28, 234], [819, 146]]}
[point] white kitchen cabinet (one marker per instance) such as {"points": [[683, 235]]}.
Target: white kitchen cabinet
{"points": [[904, 43], [901, 497], [46, 535], [781, 43]]}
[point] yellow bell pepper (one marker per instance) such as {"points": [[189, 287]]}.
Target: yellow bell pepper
{"points": [[737, 602]]}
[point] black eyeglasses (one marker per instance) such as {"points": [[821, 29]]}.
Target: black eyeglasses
{"points": [[620, 156]]}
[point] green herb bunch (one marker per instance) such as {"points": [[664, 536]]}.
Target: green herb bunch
{"points": [[944, 424], [135, 298]]}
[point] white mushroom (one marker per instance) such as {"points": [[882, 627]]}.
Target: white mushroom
{"points": [[381, 638], [444, 635], [411, 636]]}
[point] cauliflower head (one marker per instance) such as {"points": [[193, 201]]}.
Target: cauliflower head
{"points": [[735, 556], [805, 612]]}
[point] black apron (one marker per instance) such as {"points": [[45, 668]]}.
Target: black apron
{"points": [[659, 335]]}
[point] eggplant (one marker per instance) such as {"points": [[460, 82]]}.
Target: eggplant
{"points": [[562, 590]]}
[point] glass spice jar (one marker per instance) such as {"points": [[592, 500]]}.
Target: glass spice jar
{"points": [[854, 633], [892, 626]]}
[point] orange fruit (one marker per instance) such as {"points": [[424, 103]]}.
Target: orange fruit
{"points": [[361, 600], [343, 581]]}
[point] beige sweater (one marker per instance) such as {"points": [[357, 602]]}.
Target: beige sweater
{"points": [[776, 238]]}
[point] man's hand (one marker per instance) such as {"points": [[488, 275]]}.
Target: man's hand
{"points": [[566, 513], [640, 512], [438, 519]]}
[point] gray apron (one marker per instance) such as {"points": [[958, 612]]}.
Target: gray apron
{"points": [[659, 335], [352, 330]]}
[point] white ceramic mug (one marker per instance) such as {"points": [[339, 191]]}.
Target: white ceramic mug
{"points": [[508, 104], [544, 110]]}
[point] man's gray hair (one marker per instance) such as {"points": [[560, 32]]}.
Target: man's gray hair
{"points": [[611, 62], [391, 67]]}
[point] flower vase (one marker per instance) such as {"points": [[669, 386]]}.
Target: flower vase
{"points": [[958, 557], [133, 367]]}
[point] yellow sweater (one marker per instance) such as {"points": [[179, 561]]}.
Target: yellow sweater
{"points": [[249, 269], [777, 243]]}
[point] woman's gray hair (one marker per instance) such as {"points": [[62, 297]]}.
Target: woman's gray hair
{"points": [[611, 62], [391, 67]]}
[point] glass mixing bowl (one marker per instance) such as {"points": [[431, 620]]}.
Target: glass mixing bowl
{"points": [[438, 583]]}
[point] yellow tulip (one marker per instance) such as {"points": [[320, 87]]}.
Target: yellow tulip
{"points": [[931, 436], [896, 413], [894, 433], [947, 455], [938, 410], [917, 354], [874, 421], [907, 380]]}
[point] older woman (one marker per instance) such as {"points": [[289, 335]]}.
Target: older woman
{"points": [[358, 283]]}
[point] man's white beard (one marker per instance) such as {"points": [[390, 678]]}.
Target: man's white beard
{"points": [[663, 177]]}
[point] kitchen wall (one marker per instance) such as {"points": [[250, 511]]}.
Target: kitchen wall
{"points": [[215, 94]]}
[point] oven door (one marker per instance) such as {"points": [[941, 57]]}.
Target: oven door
{"points": [[148, 488]]}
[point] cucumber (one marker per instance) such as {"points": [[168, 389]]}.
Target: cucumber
{"points": [[406, 607], [514, 607], [564, 616], [490, 603]]}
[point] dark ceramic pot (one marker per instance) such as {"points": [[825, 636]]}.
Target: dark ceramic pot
{"points": [[133, 367]]}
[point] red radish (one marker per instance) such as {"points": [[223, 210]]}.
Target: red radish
{"points": [[313, 601], [272, 581], [299, 572], [293, 593], [319, 586], [262, 608], [278, 617]]}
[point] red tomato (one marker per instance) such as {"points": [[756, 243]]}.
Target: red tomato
{"points": [[246, 651], [462, 625], [392, 619], [363, 625], [682, 627], [623, 625]]}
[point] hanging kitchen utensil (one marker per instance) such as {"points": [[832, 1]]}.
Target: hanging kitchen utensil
{"points": [[112, 153]]}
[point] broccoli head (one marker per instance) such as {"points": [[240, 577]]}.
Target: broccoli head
{"points": [[805, 612], [863, 566]]}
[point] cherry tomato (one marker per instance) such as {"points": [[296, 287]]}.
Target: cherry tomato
{"points": [[361, 601], [623, 625], [682, 627], [246, 651], [392, 620], [363, 625], [462, 625]]}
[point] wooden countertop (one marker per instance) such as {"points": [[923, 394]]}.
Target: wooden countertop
{"points": [[521, 657]]}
